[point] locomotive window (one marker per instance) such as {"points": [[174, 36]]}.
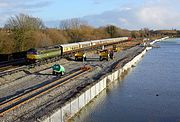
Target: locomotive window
{"points": [[32, 51]]}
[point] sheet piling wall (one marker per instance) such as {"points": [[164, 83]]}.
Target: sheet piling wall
{"points": [[74, 105]]}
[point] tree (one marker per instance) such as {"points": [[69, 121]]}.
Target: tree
{"points": [[100, 33], [135, 34], [113, 31], [72, 27], [6, 42], [125, 32], [57, 36], [25, 22], [20, 25], [144, 32]]}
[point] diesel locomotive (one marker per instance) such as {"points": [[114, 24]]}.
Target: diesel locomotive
{"points": [[38, 54]]}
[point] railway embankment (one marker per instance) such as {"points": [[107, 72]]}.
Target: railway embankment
{"points": [[88, 93], [63, 102]]}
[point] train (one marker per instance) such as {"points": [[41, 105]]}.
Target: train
{"points": [[38, 54]]}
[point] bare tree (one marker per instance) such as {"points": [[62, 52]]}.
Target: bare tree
{"points": [[23, 21], [73, 23], [73, 28], [115, 31], [19, 25], [135, 34]]}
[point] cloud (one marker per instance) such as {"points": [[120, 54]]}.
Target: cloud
{"points": [[11, 7], [3, 5], [163, 14], [17, 4], [154, 14], [124, 18], [96, 2]]}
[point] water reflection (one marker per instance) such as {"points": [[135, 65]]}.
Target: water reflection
{"points": [[149, 93], [94, 104]]}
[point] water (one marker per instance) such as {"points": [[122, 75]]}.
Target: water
{"points": [[149, 93]]}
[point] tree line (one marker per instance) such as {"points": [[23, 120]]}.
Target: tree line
{"points": [[22, 32]]}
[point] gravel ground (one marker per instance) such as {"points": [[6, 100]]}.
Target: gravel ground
{"points": [[41, 74]]}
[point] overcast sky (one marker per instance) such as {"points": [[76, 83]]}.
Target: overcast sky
{"points": [[130, 14]]}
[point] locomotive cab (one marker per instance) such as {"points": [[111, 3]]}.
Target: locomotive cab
{"points": [[31, 55]]}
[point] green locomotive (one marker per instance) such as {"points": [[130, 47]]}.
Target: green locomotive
{"points": [[39, 54], [34, 55]]}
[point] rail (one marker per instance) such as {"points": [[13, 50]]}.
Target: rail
{"points": [[66, 55], [13, 62], [18, 100], [11, 71]]}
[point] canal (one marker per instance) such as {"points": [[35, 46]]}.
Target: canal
{"points": [[150, 92]]}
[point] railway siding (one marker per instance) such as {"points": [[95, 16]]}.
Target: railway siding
{"points": [[57, 97], [35, 92], [77, 102]]}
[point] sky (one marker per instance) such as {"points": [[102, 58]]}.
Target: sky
{"points": [[129, 14]]}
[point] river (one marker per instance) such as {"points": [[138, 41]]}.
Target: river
{"points": [[150, 92]]}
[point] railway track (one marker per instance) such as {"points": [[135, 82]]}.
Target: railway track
{"points": [[13, 62], [8, 68], [12, 70], [23, 98]]}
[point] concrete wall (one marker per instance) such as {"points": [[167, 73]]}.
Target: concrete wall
{"points": [[157, 40], [76, 104]]}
